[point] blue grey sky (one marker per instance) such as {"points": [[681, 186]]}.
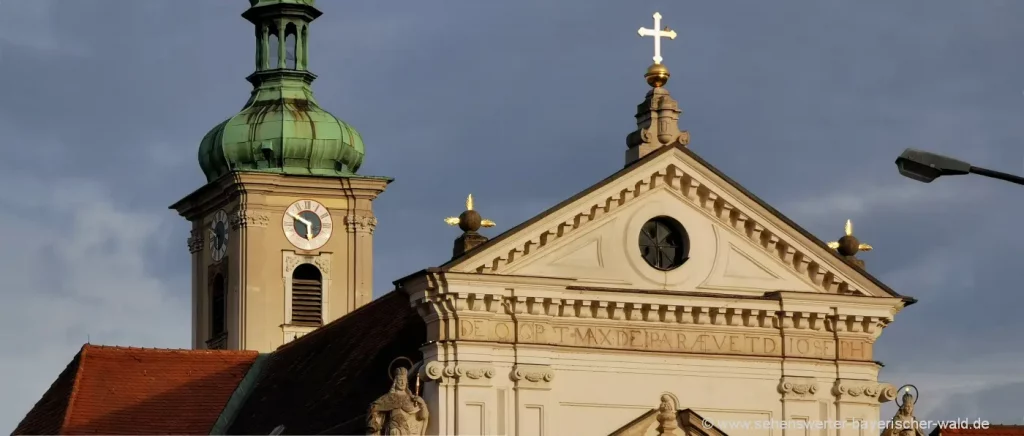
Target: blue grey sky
{"points": [[525, 103]]}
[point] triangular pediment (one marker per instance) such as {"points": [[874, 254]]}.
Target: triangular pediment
{"points": [[737, 244], [655, 423]]}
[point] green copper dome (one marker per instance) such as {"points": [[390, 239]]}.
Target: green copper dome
{"points": [[282, 129]]}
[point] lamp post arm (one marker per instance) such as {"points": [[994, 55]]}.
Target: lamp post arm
{"points": [[997, 175]]}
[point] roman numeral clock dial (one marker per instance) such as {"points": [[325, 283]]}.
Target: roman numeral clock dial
{"points": [[307, 224], [219, 235]]}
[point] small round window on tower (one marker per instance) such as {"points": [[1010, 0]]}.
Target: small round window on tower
{"points": [[664, 243]]}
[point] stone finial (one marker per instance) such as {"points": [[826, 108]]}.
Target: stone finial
{"points": [[657, 120], [667, 416], [848, 246], [469, 221]]}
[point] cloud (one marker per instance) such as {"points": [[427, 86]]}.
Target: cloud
{"points": [[862, 197], [31, 25], [76, 267], [987, 387]]}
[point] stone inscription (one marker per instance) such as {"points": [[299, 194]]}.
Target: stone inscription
{"points": [[680, 340]]}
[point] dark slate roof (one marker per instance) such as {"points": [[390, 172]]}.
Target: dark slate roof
{"points": [[122, 390], [324, 381], [991, 430], [626, 170]]}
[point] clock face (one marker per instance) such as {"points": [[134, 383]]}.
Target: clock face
{"points": [[307, 224], [219, 235]]}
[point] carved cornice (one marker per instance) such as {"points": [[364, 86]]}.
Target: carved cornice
{"points": [[195, 241], [863, 391], [703, 197], [798, 388], [460, 373], [702, 325], [360, 223], [249, 218], [532, 376], [446, 305]]}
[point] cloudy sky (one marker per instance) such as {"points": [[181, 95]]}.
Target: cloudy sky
{"points": [[805, 102]]}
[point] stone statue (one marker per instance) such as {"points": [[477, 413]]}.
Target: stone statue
{"points": [[667, 424], [398, 412], [903, 423]]}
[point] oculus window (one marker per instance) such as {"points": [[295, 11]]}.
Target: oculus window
{"points": [[664, 244]]}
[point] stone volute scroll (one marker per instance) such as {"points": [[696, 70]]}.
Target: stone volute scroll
{"points": [[400, 411], [469, 221], [657, 118]]}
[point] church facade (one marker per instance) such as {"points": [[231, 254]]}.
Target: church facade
{"points": [[665, 299]]}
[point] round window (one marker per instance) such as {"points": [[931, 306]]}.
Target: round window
{"points": [[664, 243]]}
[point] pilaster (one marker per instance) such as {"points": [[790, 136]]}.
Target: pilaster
{"points": [[471, 385], [802, 400], [859, 401], [360, 258], [534, 401]]}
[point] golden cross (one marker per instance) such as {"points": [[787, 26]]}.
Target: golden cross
{"points": [[849, 232], [657, 34], [454, 221]]}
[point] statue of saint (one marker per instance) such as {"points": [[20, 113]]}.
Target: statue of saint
{"points": [[398, 412], [904, 423]]}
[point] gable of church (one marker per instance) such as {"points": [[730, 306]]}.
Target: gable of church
{"points": [[657, 422], [737, 244]]}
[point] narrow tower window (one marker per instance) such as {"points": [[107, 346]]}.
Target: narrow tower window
{"points": [[218, 308], [273, 49], [307, 296], [290, 47]]}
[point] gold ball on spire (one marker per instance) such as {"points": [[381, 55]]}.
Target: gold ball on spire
{"points": [[657, 75]]}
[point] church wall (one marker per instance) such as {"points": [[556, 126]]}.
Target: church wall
{"points": [[531, 355], [526, 390]]}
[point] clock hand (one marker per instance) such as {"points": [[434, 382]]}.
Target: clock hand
{"points": [[309, 233], [299, 218]]}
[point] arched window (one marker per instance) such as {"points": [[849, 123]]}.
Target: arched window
{"points": [[218, 308], [307, 296], [290, 48], [274, 52]]}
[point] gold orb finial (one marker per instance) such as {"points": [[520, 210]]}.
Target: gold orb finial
{"points": [[470, 220], [849, 245], [657, 75]]}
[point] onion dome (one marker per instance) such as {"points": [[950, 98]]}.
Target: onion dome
{"points": [[282, 129]]}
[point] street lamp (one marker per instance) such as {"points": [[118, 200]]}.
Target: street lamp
{"points": [[924, 167]]}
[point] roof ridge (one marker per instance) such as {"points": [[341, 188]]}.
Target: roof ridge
{"points": [[74, 389], [167, 350]]}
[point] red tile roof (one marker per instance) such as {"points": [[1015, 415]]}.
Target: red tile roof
{"points": [[992, 430], [118, 390], [325, 381]]}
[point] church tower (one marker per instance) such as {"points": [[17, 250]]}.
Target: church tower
{"points": [[282, 232]]}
